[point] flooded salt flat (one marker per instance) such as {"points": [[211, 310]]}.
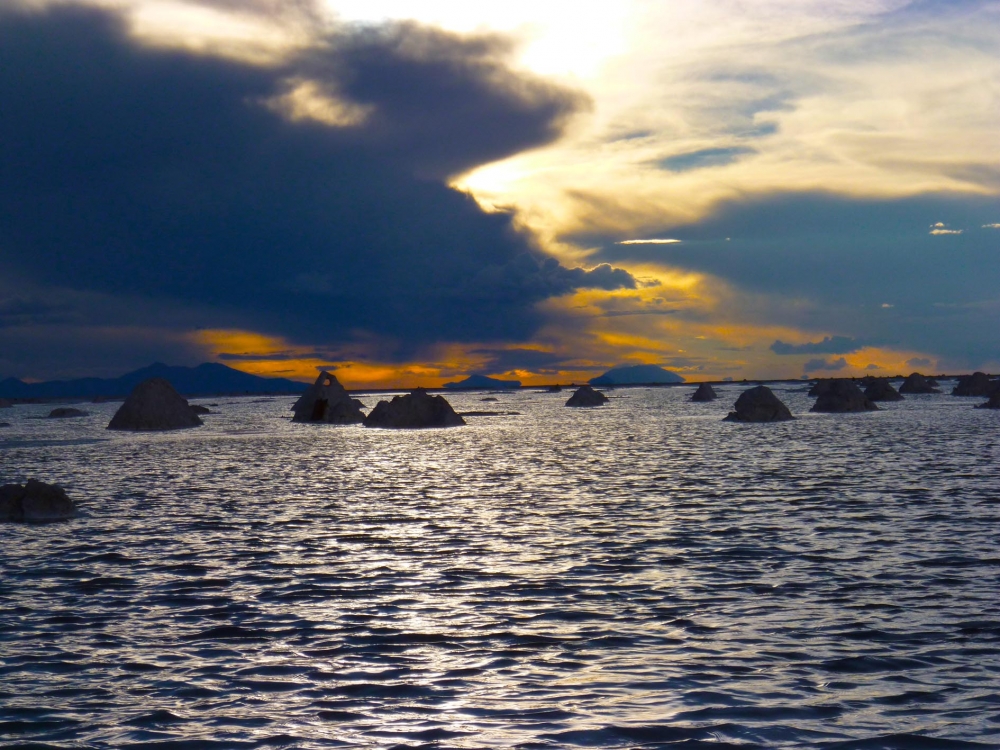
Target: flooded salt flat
{"points": [[636, 575]]}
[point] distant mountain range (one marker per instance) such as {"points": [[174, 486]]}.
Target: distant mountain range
{"points": [[483, 381], [635, 375], [205, 379]]}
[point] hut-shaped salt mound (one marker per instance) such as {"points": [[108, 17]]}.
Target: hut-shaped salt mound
{"points": [[327, 401], [415, 410], [586, 396], [976, 384], [917, 383], [154, 405], [705, 392], [880, 389], [843, 396], [993, 403], [759, 405], [35, 502]]}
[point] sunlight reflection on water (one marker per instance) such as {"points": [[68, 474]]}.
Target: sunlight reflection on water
{"points": [[639, 574]]}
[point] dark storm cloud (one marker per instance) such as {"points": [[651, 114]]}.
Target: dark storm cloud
{"points": [[829, 345], [866, 268], [824, 364], [139, 171]]}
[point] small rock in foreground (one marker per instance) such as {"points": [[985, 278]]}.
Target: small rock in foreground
{"points": [[414, 411], [993, 403], [841, 397], [759, 405], [154, 405], [199, 409], [35, 502], [66, 412], [586, 396], [705, 392], [880, 389], [917, 383]]}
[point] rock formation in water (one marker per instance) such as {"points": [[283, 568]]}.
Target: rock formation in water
{"points": [[587, 396], [880, 389], [327, 401], [199, 409], [993, 403], [35, 502], [4, 424], [66, 412], [917, 383], [554, 389], [843, 396], [819, 387], [976, 384], [705, 392], [759, 405], [416, 410], [154, 405]]}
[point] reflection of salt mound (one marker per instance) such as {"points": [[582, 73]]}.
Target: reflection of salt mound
{"points": [[154, 405], [843, 396], [587, 396], [327, 401], [416, 410], [759, 405], [35, 502], [705, 392]]}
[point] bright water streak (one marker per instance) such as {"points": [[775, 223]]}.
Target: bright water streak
{"points": [[639, 574]]}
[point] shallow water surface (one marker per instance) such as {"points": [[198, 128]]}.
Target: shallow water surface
{"points": [[636, 575]]}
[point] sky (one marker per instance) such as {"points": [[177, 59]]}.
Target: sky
{"points": [[407, 193]]}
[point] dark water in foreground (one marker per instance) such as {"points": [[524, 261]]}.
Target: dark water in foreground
{"points": [[639, 575]]}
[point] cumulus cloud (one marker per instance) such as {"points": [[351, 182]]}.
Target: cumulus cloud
{"points": [[942, 228], [196, 180]]}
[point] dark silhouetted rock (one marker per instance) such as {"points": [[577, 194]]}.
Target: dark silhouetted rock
{"points": [[993, 403], [489, 398], [35, 502], [819, 387], [415, 410], [154, 405], [66, 412], [199, 409], [587, 396], [880, 389], [976, 384], [554, 389], [705, 392], [4, 424], [759, 405], [917, 383], [843, 396], [327, 401]]}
